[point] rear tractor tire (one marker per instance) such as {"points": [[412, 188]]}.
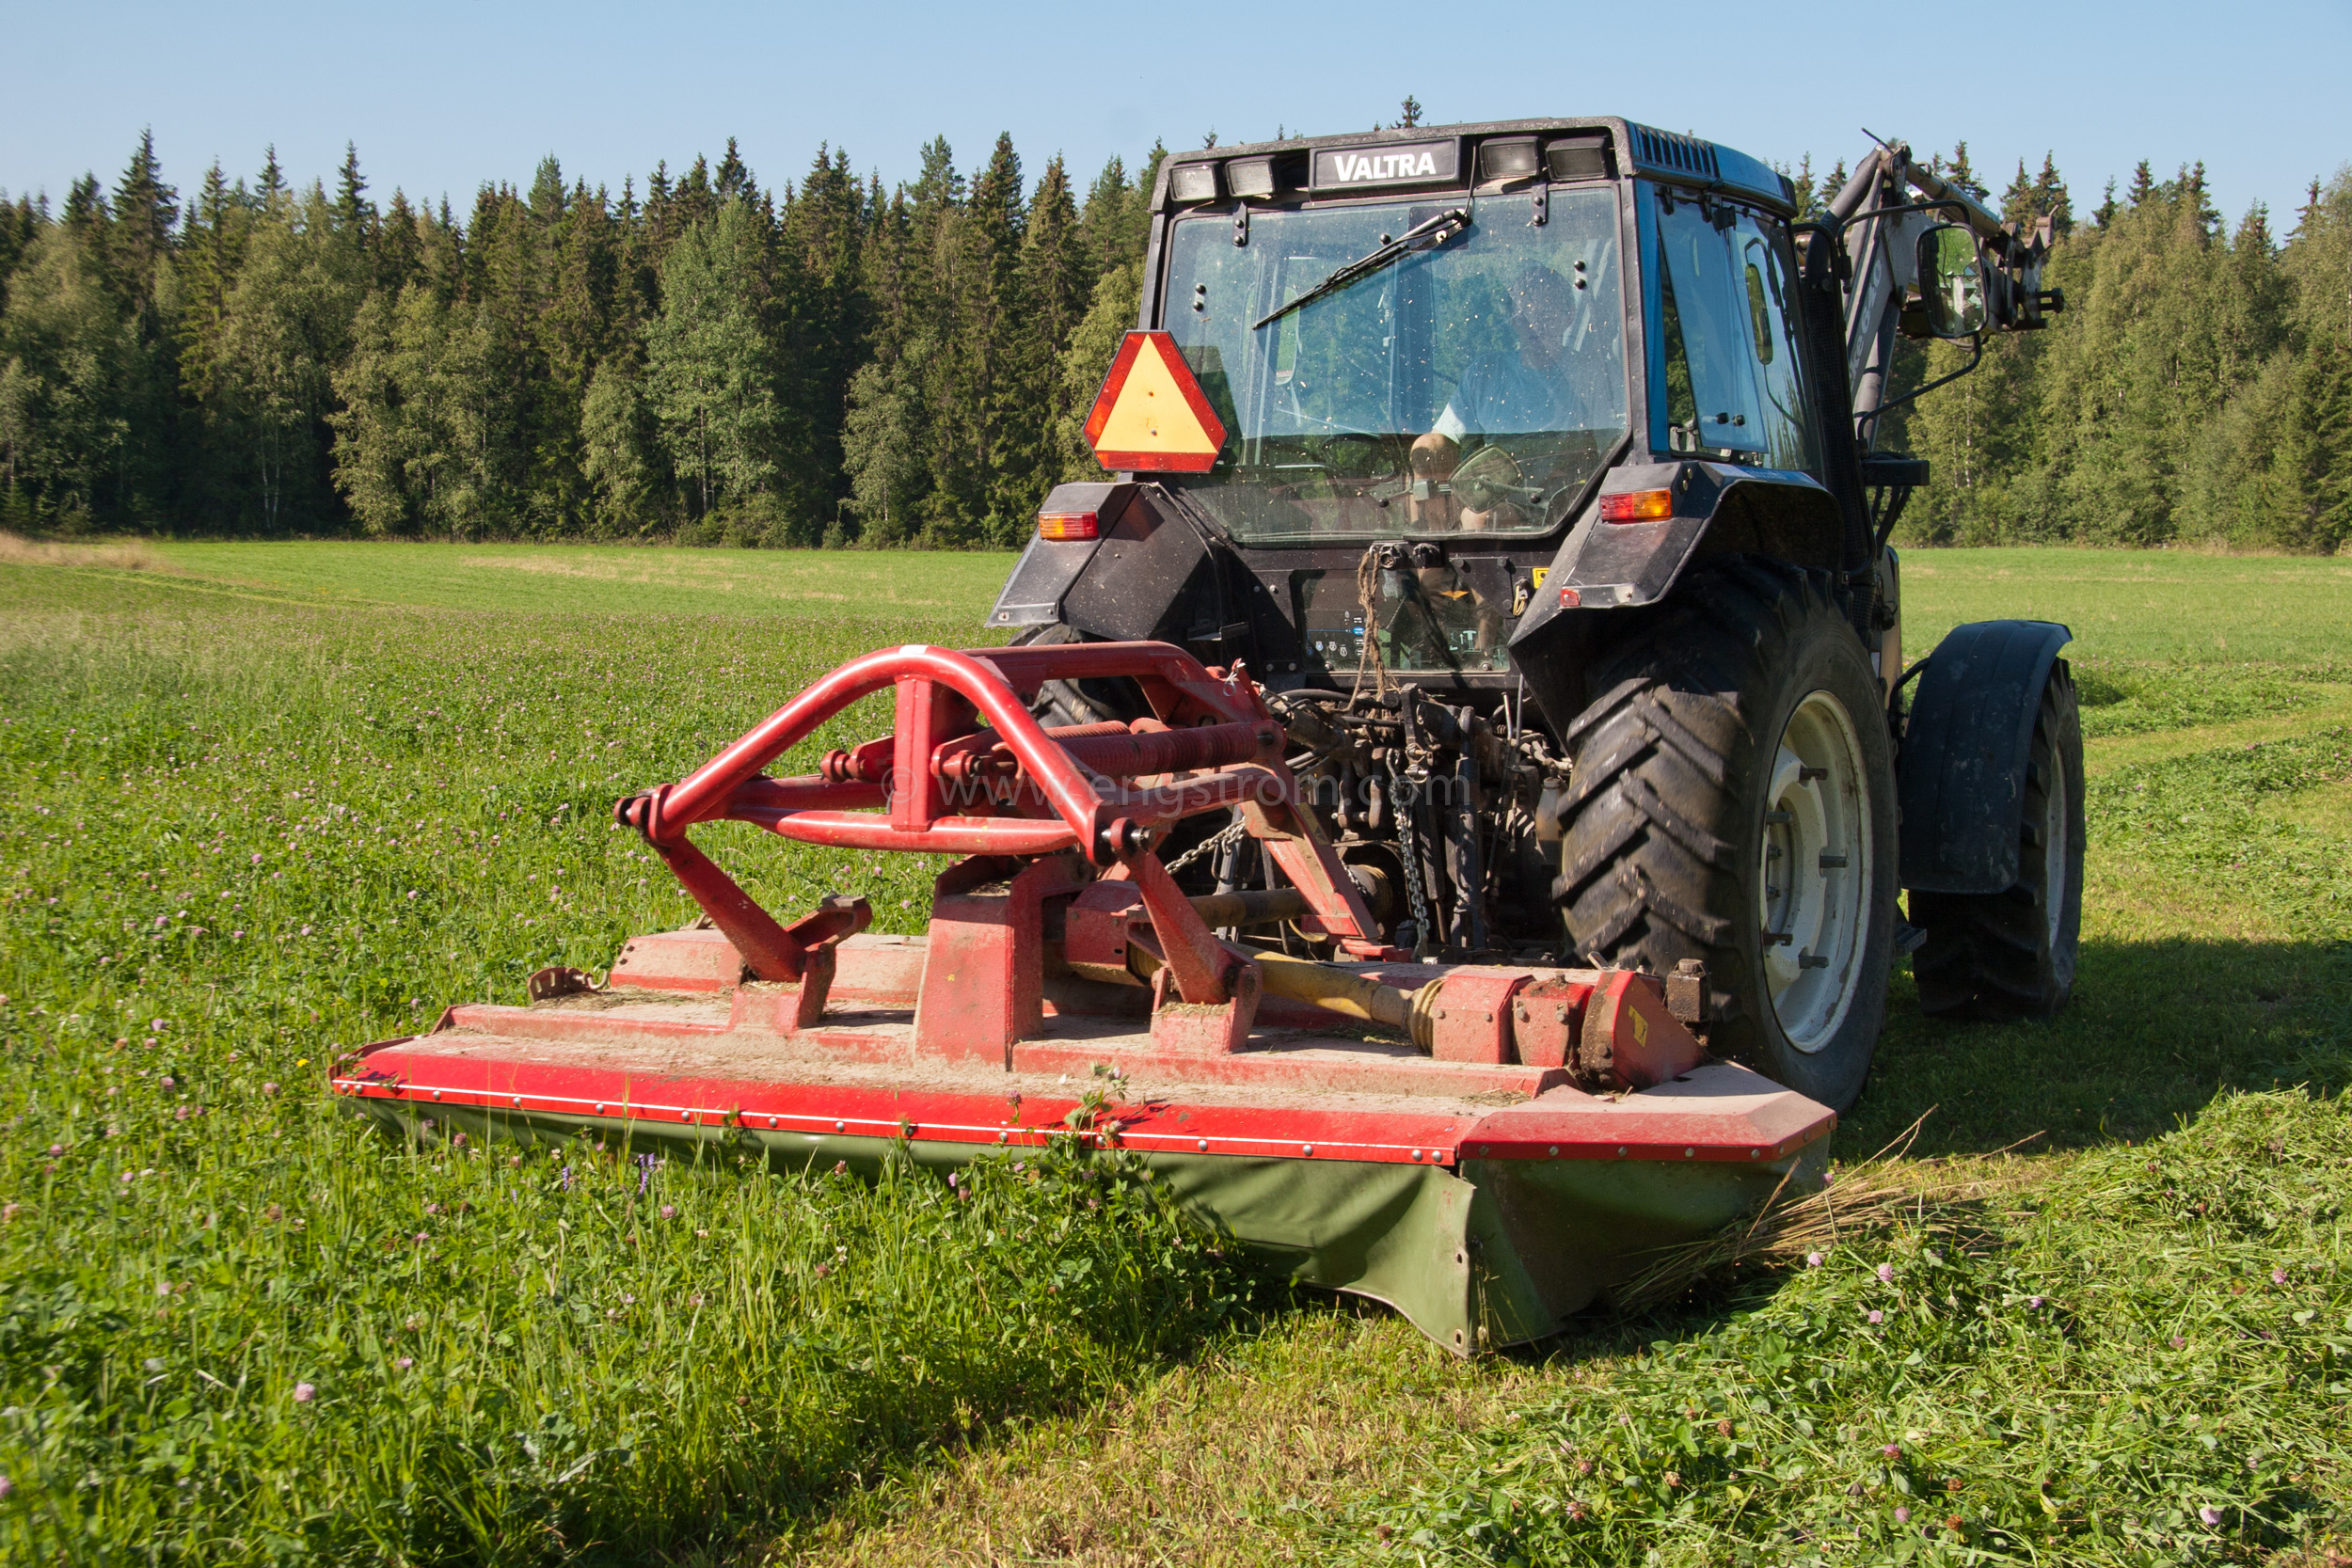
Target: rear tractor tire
{"points": [[2010, 955], [1734, 802]]}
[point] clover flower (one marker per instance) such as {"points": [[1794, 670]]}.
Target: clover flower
{"points": [[1877, 1317], [1887, 1274], [2210, 1515], [1812, 1260], [404, 1363], [1902, 1516], [669, 1210], [1892, 1451], [304, 1393]]}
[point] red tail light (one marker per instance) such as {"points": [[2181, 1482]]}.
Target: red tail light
{"points": [[1065, 526], [1638, 506]]}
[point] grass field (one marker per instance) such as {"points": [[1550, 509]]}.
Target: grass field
{"points": [[274, 799]]}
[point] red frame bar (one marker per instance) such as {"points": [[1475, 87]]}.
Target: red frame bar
{"points": [[1638, 1127]]}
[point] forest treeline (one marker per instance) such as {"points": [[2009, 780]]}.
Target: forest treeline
{"points": [[709, 360], [714, 361]]}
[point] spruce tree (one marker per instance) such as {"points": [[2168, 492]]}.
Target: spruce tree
{"points": [[2018, 203], [399, 254], [355, 214], [2050, 199], [144, 212]]}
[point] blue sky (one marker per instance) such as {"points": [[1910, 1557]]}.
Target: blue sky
{"points": [[442, 96]]}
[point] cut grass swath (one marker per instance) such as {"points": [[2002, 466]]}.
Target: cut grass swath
{"points": [[1858, 1202]]}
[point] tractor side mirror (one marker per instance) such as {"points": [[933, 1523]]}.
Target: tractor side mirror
{"points": [[1952, 282]]}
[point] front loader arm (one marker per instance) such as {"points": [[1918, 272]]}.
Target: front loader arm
{"points": [[1882, 212]]}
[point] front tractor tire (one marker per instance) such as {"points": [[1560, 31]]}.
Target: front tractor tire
{"points": [[1734, 802], [2010, 955]]}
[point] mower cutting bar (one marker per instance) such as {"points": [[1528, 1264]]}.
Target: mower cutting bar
{"points": [[498, 1078]]}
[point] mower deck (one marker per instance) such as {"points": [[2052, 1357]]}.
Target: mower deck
{"points": [[1484, 1200]]}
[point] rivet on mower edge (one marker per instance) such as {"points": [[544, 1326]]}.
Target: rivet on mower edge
{"points": [[518, 1103], [1555, 1151], [1687, 1152], [841, 1127], [1204, 1146], [775, 1121], [686, 1115], [1003, 1137], [436, 1094], [599, 1107], [1621, 1151], [1305, 1148]]}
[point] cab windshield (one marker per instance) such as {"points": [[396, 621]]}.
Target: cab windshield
{"points": [[1469, 388]]}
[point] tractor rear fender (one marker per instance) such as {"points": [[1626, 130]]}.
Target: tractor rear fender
{"points": [[1961, 774], [1044, 575], [1158, 570], [1717, 508]]}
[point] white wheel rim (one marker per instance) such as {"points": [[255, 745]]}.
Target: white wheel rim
{"points": [[2055, 822], [1813, 887]]}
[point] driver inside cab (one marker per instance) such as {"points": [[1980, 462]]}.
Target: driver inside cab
{"points": [[1510, 392]]}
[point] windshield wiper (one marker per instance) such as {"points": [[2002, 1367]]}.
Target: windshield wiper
{"points": [[1425, 235]]}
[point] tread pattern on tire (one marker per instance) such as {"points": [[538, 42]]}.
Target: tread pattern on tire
{"points": [[1649, 833], [1987, 956]]}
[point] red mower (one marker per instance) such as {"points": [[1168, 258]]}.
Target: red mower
{"points": [[1479, 1146]]}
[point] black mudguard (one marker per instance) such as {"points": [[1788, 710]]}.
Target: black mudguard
{"points": [[1156, 573], [1718, 507], [1044, 575], [1961, 776]]}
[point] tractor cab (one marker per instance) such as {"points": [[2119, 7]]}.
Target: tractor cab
{"points": [[1452, 338], [1426, 363]]}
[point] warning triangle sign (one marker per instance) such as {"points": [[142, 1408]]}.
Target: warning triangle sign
{"points": [[1152, 415]]}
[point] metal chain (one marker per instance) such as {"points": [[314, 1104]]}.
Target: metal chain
{"points": [[1424, 939], [1231, 834]]}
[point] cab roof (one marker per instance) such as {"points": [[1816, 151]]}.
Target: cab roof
{"points": [[1437, 156]]}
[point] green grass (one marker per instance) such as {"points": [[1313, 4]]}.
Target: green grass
{"points": [[234, 1325], [286, 799], [2180, 606], [949, 592]]}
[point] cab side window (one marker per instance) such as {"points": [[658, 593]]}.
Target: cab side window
{"points": [[1707, 334], [1767, 268]]}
